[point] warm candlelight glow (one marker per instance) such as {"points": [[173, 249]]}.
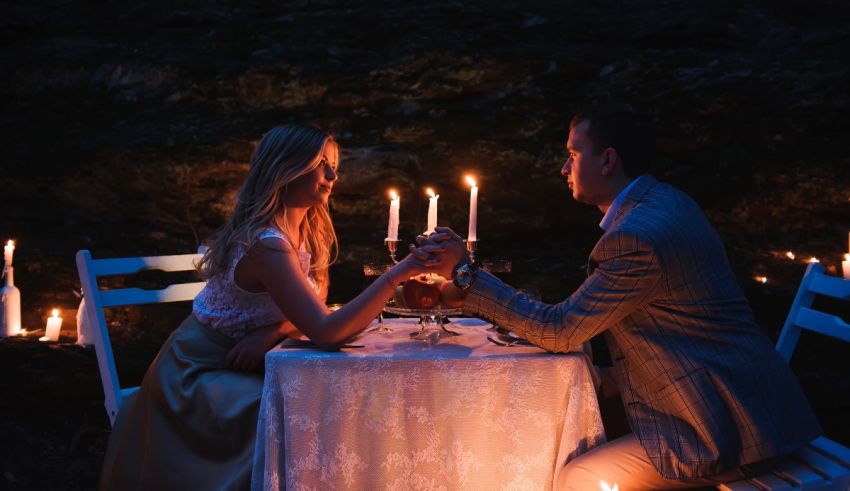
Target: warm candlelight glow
{"points": [[605, 487], [790, 255], [471, 180], [393, 194], [845, 267], [813, 259], [55, 313], [430, 192], [761, 279]]}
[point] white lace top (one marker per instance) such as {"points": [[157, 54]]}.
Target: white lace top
{"points": [[227, 308]]}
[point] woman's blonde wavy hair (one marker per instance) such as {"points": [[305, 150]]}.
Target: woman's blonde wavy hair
{"points": [[284, 154]]}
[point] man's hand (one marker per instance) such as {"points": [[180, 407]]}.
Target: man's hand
{"points": [[443, 249]]}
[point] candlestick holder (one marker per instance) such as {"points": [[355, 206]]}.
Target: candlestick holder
{"points": [[392, 246], [472, 248]]}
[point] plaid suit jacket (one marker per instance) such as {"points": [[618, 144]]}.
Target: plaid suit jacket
{"points": [[703, 387]]}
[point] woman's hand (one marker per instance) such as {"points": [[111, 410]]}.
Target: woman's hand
{"points": [[249, 354]]}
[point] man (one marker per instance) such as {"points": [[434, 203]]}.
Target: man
{"points": [[704, 390]]}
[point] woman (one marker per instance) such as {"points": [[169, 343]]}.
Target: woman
{"points": [[192, 423]]}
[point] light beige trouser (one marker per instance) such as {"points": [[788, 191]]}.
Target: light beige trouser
{"points": [[624, 462]]}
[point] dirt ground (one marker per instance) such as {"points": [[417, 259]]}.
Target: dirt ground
{"points": [[127, 127]]}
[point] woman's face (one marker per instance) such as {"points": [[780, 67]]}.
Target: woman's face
{"points": [[315, 187]]}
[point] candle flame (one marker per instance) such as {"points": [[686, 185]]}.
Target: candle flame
{"points": [[55, 313], [847, 257], [393, 194], [430, 192], [813, 259], [790, 255], [471, 181], [605, 487], [11, 243], [761, 279]]}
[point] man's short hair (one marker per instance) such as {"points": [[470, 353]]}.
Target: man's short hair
{"points": [[622, 128]]}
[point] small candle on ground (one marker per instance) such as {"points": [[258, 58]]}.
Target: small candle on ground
{"points": [[54, 325], [845, 266]]}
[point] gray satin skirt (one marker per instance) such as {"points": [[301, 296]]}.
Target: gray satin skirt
{"points": [[191, 425]]}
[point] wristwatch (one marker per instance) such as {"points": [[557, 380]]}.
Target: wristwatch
{"points": [[464, 275]]}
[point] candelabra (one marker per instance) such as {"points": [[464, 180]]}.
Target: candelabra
{"points": [[392, 246], [471, 247]]}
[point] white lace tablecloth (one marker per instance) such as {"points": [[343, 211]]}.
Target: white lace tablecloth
{"points": [[400, 414]]}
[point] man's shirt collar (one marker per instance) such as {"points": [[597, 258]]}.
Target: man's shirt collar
{"points": [[605, 224]]}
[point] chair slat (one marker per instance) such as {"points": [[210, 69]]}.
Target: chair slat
{"points": [[771, 482], [738, 486], [129, 265], [135, 296], [832, 286], [800, 476], [832, 450], [828, 324], [823, 465]]}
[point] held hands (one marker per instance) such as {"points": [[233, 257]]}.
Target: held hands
{"points": [[441, 251]]}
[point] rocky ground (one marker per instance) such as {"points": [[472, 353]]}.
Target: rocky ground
{"points": [[127, 127]]}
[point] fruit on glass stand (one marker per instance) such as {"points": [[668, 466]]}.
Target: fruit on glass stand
{"points": [[421, 292], [398, 297], [451, 296]]}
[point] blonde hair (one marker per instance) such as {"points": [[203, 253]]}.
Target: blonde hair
{"points": [[284, 154]]}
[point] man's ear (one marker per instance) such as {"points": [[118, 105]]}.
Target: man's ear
{"points": [[610, 163]]}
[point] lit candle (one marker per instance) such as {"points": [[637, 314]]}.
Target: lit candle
{"points": [[790, 255], [761, 279], [392, 226], [813, 259], [432, 210], [845, 266], [54, 324], [8, 251], [473, 210]]}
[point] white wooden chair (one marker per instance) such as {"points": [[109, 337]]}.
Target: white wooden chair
{"points": [[822, 464], [97, 300]]}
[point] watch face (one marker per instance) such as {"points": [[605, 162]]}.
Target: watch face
{"points": [[463, 276]]}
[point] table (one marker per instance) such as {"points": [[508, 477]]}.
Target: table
{"points": [[400, 414]]}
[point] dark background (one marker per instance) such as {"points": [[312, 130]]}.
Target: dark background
{"points": [[127, 126]]}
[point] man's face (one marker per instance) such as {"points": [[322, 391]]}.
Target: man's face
{"points": [[583, 168]]}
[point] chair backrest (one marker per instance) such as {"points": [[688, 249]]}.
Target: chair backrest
{"points": [[803, 316], [97, 300]]}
